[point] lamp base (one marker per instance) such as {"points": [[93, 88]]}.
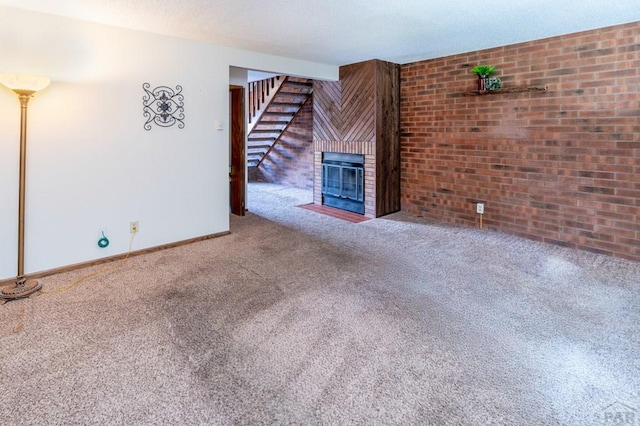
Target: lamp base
{"points": [[22, 288]]}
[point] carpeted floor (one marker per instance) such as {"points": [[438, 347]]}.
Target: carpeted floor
{"points": [[301, 318]]}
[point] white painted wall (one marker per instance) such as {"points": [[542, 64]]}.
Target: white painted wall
{"points": [[238, 76], [91, 164]]}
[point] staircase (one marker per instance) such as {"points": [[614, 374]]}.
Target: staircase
{"points": [[273, 103]]}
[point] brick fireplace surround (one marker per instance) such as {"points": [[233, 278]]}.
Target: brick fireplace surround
{"points": [[365, 148]]}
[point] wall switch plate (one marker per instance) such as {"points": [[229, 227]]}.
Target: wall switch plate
{"points": [[480, 208]]}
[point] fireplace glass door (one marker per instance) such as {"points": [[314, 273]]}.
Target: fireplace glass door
{"points": [[343, 182]]}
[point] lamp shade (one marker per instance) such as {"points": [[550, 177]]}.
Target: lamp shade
{"points": [[24, 82]]}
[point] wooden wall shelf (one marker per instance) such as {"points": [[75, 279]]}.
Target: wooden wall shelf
{"points": [[508, 90]]}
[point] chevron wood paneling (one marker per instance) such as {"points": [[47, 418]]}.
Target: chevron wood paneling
{"points": [[358, 101], [327, 110], [345, 110]]}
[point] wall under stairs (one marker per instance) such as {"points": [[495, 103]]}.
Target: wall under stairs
{"points": [[290, 162]]}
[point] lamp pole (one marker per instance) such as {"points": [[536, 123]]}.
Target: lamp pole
{"points": [[24, 87], [24, 102]]}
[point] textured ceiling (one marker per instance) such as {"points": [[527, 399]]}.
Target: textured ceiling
{"points": [[340, 32]]}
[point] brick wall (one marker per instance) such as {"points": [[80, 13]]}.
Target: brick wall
{"points": [[290, 162], [561, 165]]}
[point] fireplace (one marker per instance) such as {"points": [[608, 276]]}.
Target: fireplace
{"points": [[343, 181]]}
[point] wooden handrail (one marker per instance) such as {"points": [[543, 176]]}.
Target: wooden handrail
{"points": [[260, 93]]}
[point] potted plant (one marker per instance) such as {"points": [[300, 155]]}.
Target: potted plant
{"points": [[493, 83], [484, 82]]}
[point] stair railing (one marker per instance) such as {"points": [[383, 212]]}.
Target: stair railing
{"points": [[260, 94]]}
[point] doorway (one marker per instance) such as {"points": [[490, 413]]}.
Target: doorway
{"points": [[237, 181]]}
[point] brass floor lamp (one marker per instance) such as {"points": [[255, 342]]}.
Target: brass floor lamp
{"points": [[25, 86]]}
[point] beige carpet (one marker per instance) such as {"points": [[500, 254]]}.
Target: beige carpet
{"points": [[301, 318]]}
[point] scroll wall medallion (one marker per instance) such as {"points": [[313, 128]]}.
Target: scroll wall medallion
{"points": [[163, 106]]}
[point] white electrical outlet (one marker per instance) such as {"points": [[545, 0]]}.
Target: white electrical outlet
{"points": [[480, 208], [134, 226]]}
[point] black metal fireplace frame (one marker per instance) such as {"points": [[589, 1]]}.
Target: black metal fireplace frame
{"points": [[345, 192]]}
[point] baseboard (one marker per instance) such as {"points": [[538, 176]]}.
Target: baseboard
{"points": [[103, 260]]}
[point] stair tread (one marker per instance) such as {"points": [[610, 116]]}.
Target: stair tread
{"points": [[293, 104], [266, 130], [269, 126], [298, 83], [300, 93], [272, 123], [272, 113]]}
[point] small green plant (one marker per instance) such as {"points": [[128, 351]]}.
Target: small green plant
{"points": [[483, 70]]}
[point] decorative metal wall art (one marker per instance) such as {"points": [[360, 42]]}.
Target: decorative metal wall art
{"points": [[163, 106]]}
